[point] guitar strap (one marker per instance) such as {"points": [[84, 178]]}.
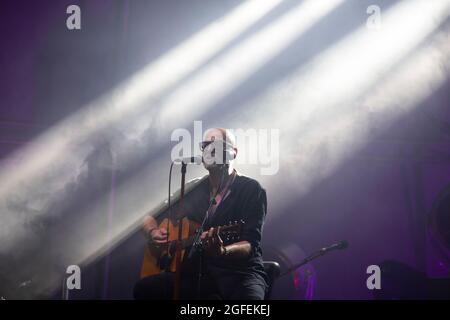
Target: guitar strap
{"points": [[221, 196]]}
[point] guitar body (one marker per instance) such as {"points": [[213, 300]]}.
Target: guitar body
{"points": [[156, 257]]}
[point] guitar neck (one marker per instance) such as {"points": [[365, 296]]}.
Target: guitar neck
{"points": [[188, 242]]}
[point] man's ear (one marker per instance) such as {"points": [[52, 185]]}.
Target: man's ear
{"points": [[235, 152]]}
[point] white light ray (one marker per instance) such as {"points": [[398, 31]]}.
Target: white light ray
{"points": [[352, 66], [231, 70], [323, 118], [47, 151]]}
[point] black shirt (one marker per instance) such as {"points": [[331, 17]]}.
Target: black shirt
{"points": [[246, 201]]}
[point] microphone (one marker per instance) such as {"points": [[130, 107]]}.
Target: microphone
{"points": [[189, 160], [337, 246]]}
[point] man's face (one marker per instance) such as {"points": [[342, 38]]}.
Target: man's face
{"points": [[213, 148]]}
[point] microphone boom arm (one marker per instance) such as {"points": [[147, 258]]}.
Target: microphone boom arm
{"points": [[341, 245]]}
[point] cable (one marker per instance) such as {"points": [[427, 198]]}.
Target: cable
{"points": [[169, 214]]}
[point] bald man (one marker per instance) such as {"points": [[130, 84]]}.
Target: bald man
{"points": [[233, 271]]}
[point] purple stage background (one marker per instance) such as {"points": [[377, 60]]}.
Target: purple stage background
{"points": [[379, 200]]}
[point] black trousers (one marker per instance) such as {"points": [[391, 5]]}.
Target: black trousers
{"points": [[227, 287]]}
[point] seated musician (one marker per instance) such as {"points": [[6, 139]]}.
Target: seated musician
{"points": [[228, 271]]}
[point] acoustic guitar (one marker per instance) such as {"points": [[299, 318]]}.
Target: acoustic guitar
{"points": [[160, 257]]}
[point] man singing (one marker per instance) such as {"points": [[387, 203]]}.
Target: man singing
{"points": [[234, 271]]}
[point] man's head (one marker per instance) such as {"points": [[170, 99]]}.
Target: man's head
{"points": [[218, 147]]}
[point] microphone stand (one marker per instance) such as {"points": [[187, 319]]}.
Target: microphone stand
{"points": [[196, 245], [196, 248], [309, 258], [177, 287]]}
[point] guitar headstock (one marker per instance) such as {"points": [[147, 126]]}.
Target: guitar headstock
{"points": [[232, 232]]}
